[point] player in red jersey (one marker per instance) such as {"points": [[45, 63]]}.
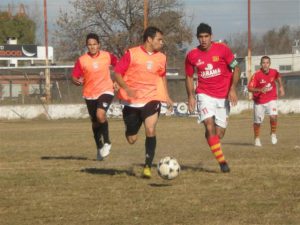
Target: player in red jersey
{"points": [[263, 87], [214, 63], [141, 74], [92, 70]]}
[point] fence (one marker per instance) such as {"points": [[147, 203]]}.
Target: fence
{"points": [[26, 85]]}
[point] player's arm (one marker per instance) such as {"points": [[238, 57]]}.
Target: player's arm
{"points": [[232, 95], [77, 74], [252, 86], [189, 85], [281, 88], [169, 100], [113, 63], [233, 64], [120, 69]]}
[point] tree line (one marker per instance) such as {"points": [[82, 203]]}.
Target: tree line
{"points": [[120, 26]]}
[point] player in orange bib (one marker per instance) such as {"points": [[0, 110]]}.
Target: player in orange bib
{"points": [[92, 70], [141, 74]]}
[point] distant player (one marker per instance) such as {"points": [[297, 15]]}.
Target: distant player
{"points": [[141, 74], [214, 63], [263, 86], [92, 70]]}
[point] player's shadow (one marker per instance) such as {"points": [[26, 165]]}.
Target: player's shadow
{"points": [[67, 157], [107, 171], [197, 168], [237, 143], [160, 184]]}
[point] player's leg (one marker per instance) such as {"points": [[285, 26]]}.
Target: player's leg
{"points": [[272, 111], [214, 143], [207, 108], [150, 114], [259, 114], [133, 122], [221, 117], [103, 103], [92, 109]]}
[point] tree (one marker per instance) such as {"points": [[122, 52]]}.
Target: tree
{"points": [[19, 26], [275, 41], [120, 25]]}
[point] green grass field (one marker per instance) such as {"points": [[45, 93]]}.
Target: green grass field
{"points": [[49, 175]]}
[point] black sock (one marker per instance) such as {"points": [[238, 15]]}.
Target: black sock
{"points": [[150, 145], [105, 132], [97, 135]]}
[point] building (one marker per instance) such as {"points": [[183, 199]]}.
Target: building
{"points": [[284, 63]]}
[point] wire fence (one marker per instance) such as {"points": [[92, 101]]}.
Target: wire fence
{"points": [[26, 85]]}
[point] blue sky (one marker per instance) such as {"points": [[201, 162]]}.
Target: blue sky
{"points": [[226, 17]]}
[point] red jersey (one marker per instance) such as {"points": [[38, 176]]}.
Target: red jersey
{"points": [[213, 69], [261, 80]]}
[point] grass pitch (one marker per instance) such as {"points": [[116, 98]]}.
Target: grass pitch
{"points": [[49, 175]]}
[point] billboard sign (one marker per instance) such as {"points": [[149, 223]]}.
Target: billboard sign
{"points": [[18, 51]]}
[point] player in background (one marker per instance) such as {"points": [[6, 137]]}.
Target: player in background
{"points": [[141, 75], [92, 70], [263, 87], [214, 63]]}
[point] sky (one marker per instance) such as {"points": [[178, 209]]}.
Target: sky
{"points": [[226, 17]]}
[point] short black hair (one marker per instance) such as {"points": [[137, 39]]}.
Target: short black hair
{"points": [[151, 32], [265, 57], [203, 28], [92, 36]]}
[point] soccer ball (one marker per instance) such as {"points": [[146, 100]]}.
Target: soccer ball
{"points": [[168, 168]]}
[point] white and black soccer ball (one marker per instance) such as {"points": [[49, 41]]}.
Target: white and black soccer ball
{"points": [[168, 168]]}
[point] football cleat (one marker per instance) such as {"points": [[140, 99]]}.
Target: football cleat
{"points": [[105, 150], [257, 142], [274, 139], [99, 157], [147, 172], [224, 167]]}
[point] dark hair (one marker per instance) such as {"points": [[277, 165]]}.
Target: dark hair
{"points": [[265, 57], [151, 32], [92, 36], [203, 28]]}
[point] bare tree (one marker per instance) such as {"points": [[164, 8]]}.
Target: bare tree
{"points": [[119, 23], [275, 41]]}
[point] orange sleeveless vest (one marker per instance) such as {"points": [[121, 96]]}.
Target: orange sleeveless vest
{"points": [[143, 76], [96, 74]]}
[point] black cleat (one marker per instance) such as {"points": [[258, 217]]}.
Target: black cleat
{"points": [[224, 167]]}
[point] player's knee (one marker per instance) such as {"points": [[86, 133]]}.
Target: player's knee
{"points": [[131, 139], [101, 118], [150, 132], [221, 133]]}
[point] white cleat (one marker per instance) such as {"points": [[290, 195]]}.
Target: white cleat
{"points": [[105, 150], [274, 139], [257, 142], [99, 157]]}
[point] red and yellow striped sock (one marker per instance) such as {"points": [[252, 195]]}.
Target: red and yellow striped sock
{"points": [[215, 147], [256, 129], [273, 124]]}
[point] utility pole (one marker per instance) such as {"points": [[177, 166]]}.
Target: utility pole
{"points": [[249, 63], [47, 70], [145, 14]]}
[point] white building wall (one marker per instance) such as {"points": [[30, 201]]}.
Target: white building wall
{"points": [[278, 62]]}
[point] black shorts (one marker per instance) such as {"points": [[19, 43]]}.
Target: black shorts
{"points": [[134, 117], [103, 102]]}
